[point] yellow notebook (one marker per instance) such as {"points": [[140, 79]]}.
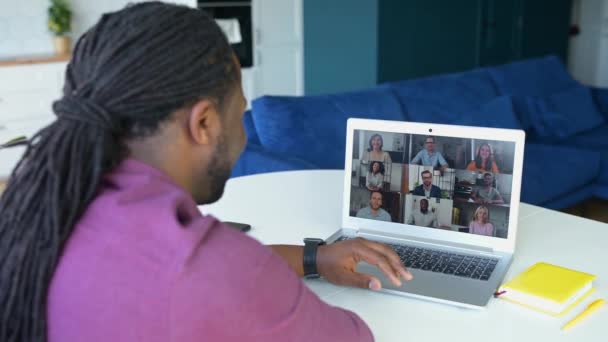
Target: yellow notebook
{"points": [[548, 288]]}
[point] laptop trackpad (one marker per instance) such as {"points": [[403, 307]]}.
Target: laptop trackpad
{"points": [[437, 285]]}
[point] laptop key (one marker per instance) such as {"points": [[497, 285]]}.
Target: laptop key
{"points": [[427, 266], [438, 268]]}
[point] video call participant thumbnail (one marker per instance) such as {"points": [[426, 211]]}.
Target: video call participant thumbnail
{"points": [[427, 189], [423, 216], [429, 157], [374, 211]]}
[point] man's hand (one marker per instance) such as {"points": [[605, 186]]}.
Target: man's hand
{"points": [[337, 263]]}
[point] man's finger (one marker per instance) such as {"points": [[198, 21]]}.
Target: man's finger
{"points": [[364, 281], [373, 257], [392, 257]]}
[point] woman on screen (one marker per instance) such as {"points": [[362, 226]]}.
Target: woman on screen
{"points": [[484, 160], [375, 153], [481, 222], [375, 176]]}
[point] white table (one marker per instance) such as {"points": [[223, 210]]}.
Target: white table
{"points": [[285, 207]]}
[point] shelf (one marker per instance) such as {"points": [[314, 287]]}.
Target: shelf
{"points": [[41, 59]]}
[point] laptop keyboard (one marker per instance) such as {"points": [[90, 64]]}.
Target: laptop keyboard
{"points": [[460, 265]]}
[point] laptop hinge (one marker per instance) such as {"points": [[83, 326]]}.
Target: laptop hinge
{"points": [[438, 243]]}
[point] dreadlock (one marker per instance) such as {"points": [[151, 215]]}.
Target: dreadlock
{"points": [[128, 73]]}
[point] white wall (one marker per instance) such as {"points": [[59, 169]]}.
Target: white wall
{"points": [[588, 51], [23, 29]]}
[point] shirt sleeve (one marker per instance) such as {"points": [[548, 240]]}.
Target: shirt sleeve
{"points": [[441, 159], [360, 213], [368, 180], [495, 194], [387, 216], [416, 159], [495, 167], [387, 158], [239, 290]]}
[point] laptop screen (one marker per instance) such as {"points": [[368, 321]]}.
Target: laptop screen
{"points": [[461, 185]]}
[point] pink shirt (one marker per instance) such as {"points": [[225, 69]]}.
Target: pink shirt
{"points": [[143, 264], [481, 229]]}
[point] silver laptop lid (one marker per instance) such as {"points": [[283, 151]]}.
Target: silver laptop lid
{"points": [[440, 182]]}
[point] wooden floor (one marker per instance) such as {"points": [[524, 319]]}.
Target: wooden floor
{"points": [[594, 209]]}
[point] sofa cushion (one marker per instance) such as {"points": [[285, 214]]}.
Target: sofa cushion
{"points": [[576, 196], [602, 179], [498, 112], [252, 134], [256, 159], [552, 171], [313, 128], [531, 77], [600, 97], [559, 115], [594, 140], [445, 98]]}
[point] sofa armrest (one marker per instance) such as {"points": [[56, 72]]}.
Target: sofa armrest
{"points": [[256, 159]]}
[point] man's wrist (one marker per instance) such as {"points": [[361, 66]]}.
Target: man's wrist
{"points": [[311, 247]]}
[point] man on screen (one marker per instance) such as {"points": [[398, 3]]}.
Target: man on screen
{"points": [[430, 157], [427, 189], [374, 210], [488, 194], [423, 217]]}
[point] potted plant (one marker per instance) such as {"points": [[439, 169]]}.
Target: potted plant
{"points": [[60, 24]]}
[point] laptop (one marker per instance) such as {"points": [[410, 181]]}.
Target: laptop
{"points": [[444, 197]]}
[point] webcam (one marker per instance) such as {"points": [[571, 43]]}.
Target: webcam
{"points": [[430, 130]]}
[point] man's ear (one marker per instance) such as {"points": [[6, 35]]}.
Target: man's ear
{"points": [[204, 122]]}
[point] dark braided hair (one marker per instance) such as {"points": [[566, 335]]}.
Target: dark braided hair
{"points": [[128, 73]]}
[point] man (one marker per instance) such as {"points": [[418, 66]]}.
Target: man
{"points": [[487, 194], [427, 189], [374, 210], [429, 157], [102, 239], [423, 217]]}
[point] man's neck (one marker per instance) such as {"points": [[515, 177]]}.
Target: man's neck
{"points": [[156, 151], [427, 187], [375, 211]]}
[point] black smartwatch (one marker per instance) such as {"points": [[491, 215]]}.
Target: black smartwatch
{"points": [[310, 257]]}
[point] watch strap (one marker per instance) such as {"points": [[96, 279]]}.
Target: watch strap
{"points": [[310, 257]]}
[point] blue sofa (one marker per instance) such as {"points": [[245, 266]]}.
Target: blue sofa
{"points": [[566, 124]]}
